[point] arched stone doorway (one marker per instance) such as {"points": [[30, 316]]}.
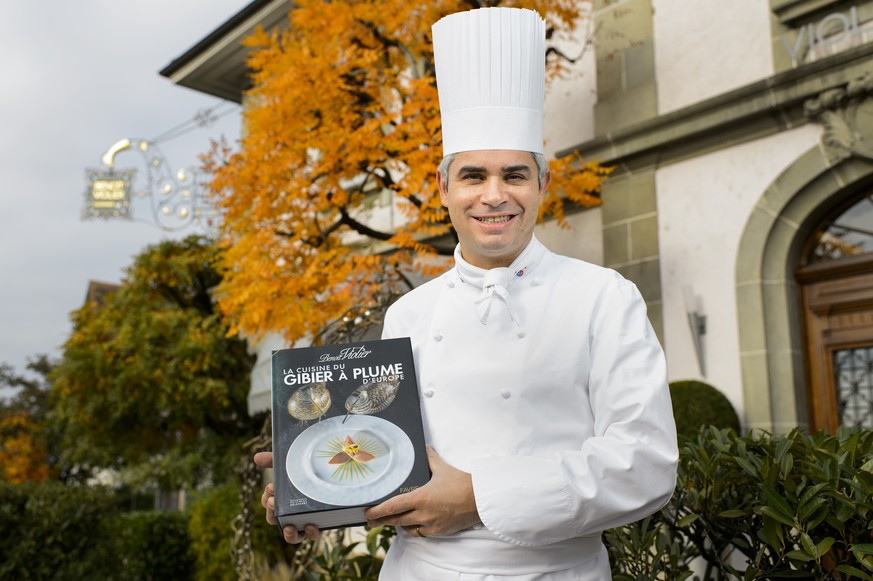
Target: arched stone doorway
{"points": [[773, 348], [778, 349]]}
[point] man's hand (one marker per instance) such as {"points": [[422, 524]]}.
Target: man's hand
{"points": [[442, 507], [264, 460]]}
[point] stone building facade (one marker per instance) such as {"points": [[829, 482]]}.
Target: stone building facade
{"points": [[742, 137]]}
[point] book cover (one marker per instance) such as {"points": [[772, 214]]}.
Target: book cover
{"points": [[347, 430]]}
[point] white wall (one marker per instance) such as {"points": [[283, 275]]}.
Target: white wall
{"points": [[703, 207], [704, 48], [569, 105], [583, 239], [260, 394]]}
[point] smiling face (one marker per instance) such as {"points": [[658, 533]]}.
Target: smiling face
{"points": [[493, 198]]}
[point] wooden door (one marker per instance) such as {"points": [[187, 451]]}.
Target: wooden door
{"points": [[838, 319]]}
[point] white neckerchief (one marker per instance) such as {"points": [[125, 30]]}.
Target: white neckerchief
{"points": [[495, 282]]}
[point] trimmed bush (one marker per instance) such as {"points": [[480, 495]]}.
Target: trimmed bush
{"points": [[53, 531], [153, 546], [60, 532], [697, 404]]}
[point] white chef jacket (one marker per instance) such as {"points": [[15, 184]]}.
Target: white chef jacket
{"points": [[550, 389]]}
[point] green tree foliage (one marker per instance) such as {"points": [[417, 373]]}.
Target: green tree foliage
{"points": [[149, 378]]}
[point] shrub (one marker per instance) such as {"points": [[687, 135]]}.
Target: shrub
{"points": [[648, 549], [337, 556], [209, 528], [60, 532], [792, 505], [153, 546], [697, 404], [53, 531], [760, 507]]}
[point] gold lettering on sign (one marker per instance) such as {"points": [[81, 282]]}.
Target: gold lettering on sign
{"points": [[108, 190]]}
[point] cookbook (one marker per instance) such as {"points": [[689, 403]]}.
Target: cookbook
{"points": [[347, 431]]}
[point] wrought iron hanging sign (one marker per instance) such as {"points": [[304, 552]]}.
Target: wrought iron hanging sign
{"points": [[175, 198]]}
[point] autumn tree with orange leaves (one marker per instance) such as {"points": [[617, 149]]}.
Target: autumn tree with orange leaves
{"points": [[331, 204], [26, 435]]}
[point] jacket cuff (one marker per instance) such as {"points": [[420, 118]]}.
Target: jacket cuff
{"points": [[523, 500]]}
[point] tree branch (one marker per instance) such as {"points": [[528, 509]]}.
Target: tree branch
{"points": [[383, 40], [360, 228], [552, 50], [382, 174], [330, 230]]}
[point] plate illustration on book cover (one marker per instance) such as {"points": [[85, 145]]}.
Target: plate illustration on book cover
{"points": [[349, 463]]}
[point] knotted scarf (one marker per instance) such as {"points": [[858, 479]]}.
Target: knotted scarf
{"points": [[495, 283]]}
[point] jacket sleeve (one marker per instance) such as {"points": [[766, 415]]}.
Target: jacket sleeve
{"points": [[625, 472], [388, 325]]}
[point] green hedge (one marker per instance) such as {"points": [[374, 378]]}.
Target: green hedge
{"points": [[153, 546], [794, 505], [59, 532], [52, 531], [748, 507]]}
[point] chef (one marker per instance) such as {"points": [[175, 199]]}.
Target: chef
{"points": [[544, 394]]}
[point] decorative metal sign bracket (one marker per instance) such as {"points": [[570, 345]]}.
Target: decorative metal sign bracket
{"points": [[176, 199]]}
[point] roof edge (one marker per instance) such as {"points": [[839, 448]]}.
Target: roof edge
{"points": [[211, 38]]}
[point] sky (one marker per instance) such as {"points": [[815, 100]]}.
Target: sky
{"points": [[76, 78]]}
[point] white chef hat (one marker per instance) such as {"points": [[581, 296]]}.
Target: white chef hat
{"points": [[490, 71]]}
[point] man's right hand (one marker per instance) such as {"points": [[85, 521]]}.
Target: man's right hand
{"points": [[264, 460]]}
